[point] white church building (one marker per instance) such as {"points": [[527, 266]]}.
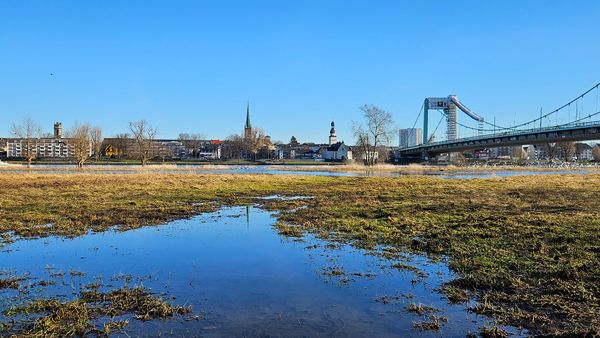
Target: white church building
{"points": [[336, 151]]}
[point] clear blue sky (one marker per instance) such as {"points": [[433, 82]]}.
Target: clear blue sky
{"points": [[190, 66]]}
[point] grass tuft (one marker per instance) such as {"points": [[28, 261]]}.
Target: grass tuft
{"points": [[78, 317]]}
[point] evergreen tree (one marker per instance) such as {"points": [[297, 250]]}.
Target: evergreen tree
{"points": [[293, 141]]}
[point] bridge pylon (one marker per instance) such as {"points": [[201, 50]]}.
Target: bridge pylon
{"points": [[448, 105]]}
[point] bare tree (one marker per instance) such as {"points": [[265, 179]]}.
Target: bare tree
{"points": [[121, 143], [568, 149], [185, 140], [196, 143], [518, 153], [256, 142], [596, 153], [377, 132], [80, 141], [29, 133], [192, 141], [165, 152], [96, 140], [362, 147], [551, 149], [235, 146], [143, 135], [460, 158]]}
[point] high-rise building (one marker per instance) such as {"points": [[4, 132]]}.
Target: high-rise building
{"points": [[410, 137]]}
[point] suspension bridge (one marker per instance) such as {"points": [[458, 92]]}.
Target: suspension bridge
{"points": [[576, 120]]}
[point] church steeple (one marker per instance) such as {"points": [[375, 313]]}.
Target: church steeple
{"points": [[248, 126], [332, 136]]}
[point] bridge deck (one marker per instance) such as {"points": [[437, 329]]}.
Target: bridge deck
{"points": [[579, 132]]}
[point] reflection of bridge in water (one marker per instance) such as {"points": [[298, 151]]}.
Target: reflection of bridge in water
{"points": [[583, 127]]}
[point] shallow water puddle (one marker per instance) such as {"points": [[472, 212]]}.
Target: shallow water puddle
{"points": [[243, 279]]}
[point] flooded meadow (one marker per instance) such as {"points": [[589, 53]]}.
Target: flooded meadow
{"points": [[240, 277], [189, 254]]}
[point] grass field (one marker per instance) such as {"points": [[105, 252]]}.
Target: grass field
{"points": [[525, 247]]}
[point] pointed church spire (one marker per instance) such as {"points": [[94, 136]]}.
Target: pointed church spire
{"points": [[248, 125]]}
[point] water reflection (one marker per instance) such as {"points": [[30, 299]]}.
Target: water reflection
{"points": [[243, 279]]}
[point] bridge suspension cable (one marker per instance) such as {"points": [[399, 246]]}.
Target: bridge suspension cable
{"points": [[429, 138], [597, 88], [574, 122], [568, 104], [578, 120], [417, 119]]}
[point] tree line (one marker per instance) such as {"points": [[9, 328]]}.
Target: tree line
{"points": [[85, 140]]}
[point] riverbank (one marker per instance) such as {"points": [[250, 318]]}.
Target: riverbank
{"points": [[525, 247], [333, 167], [430, 168], [189, 162]]}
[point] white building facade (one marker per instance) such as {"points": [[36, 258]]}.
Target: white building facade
{"points": [[41, 148], [584, 152], [337, 152]]}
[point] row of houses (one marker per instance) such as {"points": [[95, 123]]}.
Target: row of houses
{"points": [[164, 148], [539, 152], [59, 147], [333, 151], [318, 152], [251, 146]]}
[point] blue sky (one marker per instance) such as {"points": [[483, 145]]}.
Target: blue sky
{"points": [[191, 66]]}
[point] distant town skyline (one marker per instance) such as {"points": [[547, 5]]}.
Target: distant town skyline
{"points": [[193, 66]]}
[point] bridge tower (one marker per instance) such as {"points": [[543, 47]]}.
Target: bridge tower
{"points": [[448, 105], [450, 112], [425, 121], [449, 108]]}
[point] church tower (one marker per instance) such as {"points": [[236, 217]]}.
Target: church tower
{"points": [[248, 126], [58, 130], [332, 138]]}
